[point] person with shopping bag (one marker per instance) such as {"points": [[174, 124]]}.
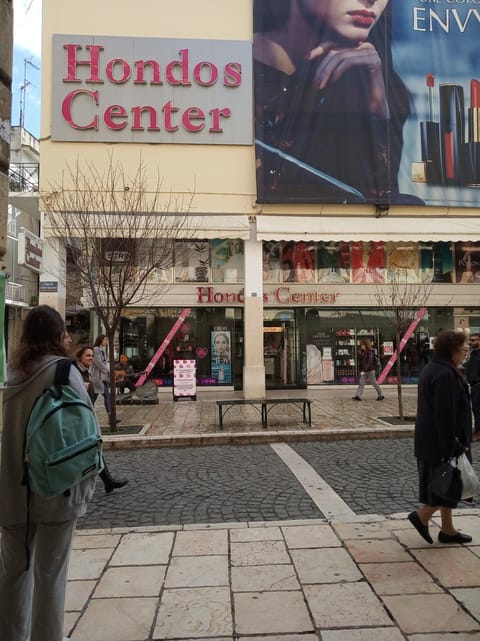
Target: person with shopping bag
{"points": [[443, 430]]}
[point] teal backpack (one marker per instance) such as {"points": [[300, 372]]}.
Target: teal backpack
{"points": [[62, 444]]}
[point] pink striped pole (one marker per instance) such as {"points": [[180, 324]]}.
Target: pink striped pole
{"points": [[418, 317], [166, 342]]}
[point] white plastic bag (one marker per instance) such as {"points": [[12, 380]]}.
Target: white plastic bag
{"points": [[470, 480]]}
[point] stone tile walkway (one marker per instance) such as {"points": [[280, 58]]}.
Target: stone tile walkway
{"points": [[364, 579], [334, 415]]}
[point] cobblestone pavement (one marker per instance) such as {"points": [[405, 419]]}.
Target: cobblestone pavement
{"points": [[199, 485], [215, 484], [374, 476]]}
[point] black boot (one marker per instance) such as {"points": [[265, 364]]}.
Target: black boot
{"points": [[109, 482]]}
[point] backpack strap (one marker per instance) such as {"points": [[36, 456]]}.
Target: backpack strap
{"points": [[62, 372]]}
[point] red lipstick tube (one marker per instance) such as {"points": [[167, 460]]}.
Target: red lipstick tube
{"points": [[452, 133], [430, 140], [473, 144]]}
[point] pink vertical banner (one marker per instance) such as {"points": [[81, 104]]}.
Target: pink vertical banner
{"points": [[418, 317], [166, 342]]}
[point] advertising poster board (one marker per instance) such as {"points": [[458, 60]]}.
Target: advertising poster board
{"points": [[184, 379], [221, 359]]}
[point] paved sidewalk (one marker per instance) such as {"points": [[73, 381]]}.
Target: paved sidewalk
{"points": [[334, 415], [363, 579], [346, 578]]}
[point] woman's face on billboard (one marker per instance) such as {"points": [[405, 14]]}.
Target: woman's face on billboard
{"points": [[221, 344], [349, 19]]}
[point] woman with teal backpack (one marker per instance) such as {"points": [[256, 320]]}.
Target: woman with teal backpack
{"points": [[36, 531]]}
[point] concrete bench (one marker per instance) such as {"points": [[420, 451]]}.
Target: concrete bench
{"points": [[266, 405]]}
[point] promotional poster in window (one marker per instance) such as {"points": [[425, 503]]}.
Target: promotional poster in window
{"points": [[221, 343], [368, 101]]}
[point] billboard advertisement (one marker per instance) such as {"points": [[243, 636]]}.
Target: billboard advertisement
{"points": [[360, 101]]}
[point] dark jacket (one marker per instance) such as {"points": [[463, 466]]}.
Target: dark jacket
{"points": [[444, 420], [367, 360], [472, 369]]}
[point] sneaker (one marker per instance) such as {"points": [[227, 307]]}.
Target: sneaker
{"points": [[356, 398], [380, 398]]}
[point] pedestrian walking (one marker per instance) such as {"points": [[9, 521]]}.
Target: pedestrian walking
{"points": [[36, 532], [472, 372], [367, 358], [443, 430], [100, 373], [84, 360]]}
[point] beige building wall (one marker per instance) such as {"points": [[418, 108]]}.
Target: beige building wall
{"points": [[221, 177]]}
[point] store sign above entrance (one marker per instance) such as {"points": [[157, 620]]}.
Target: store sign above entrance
{"points": [[282, 295], [154, 90]]}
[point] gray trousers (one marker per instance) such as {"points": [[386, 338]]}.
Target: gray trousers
{"points": [[367, 377], [32, 602]]}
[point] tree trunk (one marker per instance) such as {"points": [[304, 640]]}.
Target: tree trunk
{"points": [[113, 388], [399, 377]]}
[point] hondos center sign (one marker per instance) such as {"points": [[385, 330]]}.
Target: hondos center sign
{"points": [[153, 90]]}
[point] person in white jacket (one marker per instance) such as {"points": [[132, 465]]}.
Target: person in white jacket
{"points": [[100, 372], [32, 595]]}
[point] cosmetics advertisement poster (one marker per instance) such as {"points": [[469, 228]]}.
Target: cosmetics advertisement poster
{"points": [[370, 104], [436, 50], [221, 362]]}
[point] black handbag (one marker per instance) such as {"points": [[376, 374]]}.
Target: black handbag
{"points": [[446, 482]]}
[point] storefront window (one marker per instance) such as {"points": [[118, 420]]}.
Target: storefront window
{"points": [[467, 263], [402, 262], [331, 340], [272, 262], [370, 262], [192, 262], [333, 262], [212, 337], [436, 263], [227, 259], [298, 262]]}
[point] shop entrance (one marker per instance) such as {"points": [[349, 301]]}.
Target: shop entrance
{"points": [[280, 353]]}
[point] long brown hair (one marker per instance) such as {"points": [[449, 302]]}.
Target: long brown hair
{"points": [[42, 334]]}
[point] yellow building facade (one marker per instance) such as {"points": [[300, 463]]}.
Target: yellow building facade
{"points": [[289, 318]]}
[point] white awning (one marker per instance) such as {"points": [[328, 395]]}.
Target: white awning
{"points": [[340, 228], [198, 226]]}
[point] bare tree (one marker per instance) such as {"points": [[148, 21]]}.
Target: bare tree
{"points": [[114, 234], [401, 303]]}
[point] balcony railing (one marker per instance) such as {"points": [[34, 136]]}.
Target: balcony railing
{"points": [[23, 177], [15, 292]]}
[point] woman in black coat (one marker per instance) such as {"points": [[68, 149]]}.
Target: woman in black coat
{"points": [[443, 429]]}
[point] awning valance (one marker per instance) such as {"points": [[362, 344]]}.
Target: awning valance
{"points": [[418, 229], [208, 227]]}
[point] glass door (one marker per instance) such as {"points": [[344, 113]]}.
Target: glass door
{"points": [[280, 353]]}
